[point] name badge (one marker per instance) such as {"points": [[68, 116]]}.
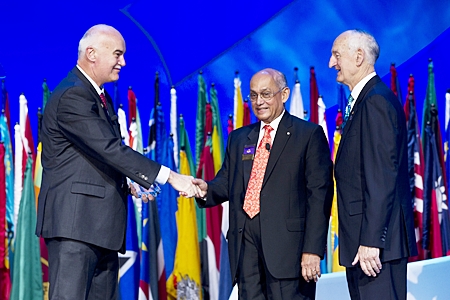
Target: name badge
{"points": [[249, 152]]}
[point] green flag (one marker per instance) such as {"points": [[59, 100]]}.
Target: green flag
{"points": [[27, 272], [430, 99], [200, 127]]}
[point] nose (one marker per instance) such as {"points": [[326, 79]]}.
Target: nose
{"points": [[122, 61], [259, 100], [332, 62]]}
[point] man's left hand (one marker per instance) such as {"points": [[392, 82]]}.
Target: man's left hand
{"points": [[369, 260], [311, 267]]}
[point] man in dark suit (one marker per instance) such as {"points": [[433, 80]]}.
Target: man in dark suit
{"points": [[83, 199], [376, 228], [276, 245]]}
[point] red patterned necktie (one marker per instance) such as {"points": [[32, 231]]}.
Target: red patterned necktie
{"points": [[251, 200], [102, 96]]}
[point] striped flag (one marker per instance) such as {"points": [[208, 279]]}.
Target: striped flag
{"points": [[27, 271], [415, 166], [184, 282], [210, 246], [333, 261], [5, 280], [445, 222]]}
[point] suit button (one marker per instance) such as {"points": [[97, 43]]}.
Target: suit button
{"points": [[146, 178], [240, 230], [382, 239]]}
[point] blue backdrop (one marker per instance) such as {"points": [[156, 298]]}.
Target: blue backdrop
{"points": [[39, 39]]}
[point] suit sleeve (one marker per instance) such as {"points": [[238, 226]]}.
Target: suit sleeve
{"points": [[78, 118], [380, 168], [319, 183]]}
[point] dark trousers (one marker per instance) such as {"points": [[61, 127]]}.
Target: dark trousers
{"points": [[79, 270], [389, 284], [254, 279]]}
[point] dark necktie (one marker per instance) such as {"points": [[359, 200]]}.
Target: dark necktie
{"points": [[102, 96], [251, 200]]}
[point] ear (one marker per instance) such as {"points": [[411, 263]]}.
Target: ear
{"points": [[360, 55], [285, 94], [91, 54]]}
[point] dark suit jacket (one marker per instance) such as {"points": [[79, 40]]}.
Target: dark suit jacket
{"points": [[295, 198], [371, 171], [83, 192]]}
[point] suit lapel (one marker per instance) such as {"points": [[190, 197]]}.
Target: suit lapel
{"points": [[373, 81], [252, 139], [279, 143], [103, 112]]}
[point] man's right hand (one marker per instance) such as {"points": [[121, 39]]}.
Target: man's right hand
{"points": [[183, 184]]}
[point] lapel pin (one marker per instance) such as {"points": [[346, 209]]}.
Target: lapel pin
{"points": [[288, 133]]}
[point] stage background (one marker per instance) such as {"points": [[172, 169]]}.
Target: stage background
{"points": [[39, 39]]}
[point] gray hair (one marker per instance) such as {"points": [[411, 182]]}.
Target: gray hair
{"points": [[364, 40], [92, 37], [278, 77]]}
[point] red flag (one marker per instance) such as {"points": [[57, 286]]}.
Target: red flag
{"points": [[313, 97], [415, 166], [230, 123], [5, 280], [247, 117]]}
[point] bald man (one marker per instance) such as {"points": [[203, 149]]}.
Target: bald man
{"points": [[376, 224], [276, 243], [82, 209]]}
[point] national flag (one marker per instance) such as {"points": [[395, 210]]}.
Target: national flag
{"points": [[173, 124], [27, 272], [313, 97], [238, 106], [122, 119], [184, 282], [167, 200], [200, 124], [5, 105], [9, 179], [322, 117], [129, 268], [415, 167], [5, 280], [445, 224], [152, 284], [334, 232], [26, 133], [210, 246], [18, 171], [247, 114], [395, 85], [45, 94], [297, 109], [225, 281], [135, 122], [217, 135], [433, 191], [230, 126]]}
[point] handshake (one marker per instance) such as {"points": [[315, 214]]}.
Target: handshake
{"points": [[187, 186]]}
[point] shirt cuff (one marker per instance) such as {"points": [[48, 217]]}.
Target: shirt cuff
{"points": [[163, 175]]}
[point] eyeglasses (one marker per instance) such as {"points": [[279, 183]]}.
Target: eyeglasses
{"points": [[265, 95]]}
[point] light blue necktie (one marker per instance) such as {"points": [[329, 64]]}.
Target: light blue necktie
{"points": [[348, 109]]}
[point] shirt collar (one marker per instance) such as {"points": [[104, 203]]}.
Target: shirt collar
{"points": [[96, 87], [274, 124], [358, 87]]}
